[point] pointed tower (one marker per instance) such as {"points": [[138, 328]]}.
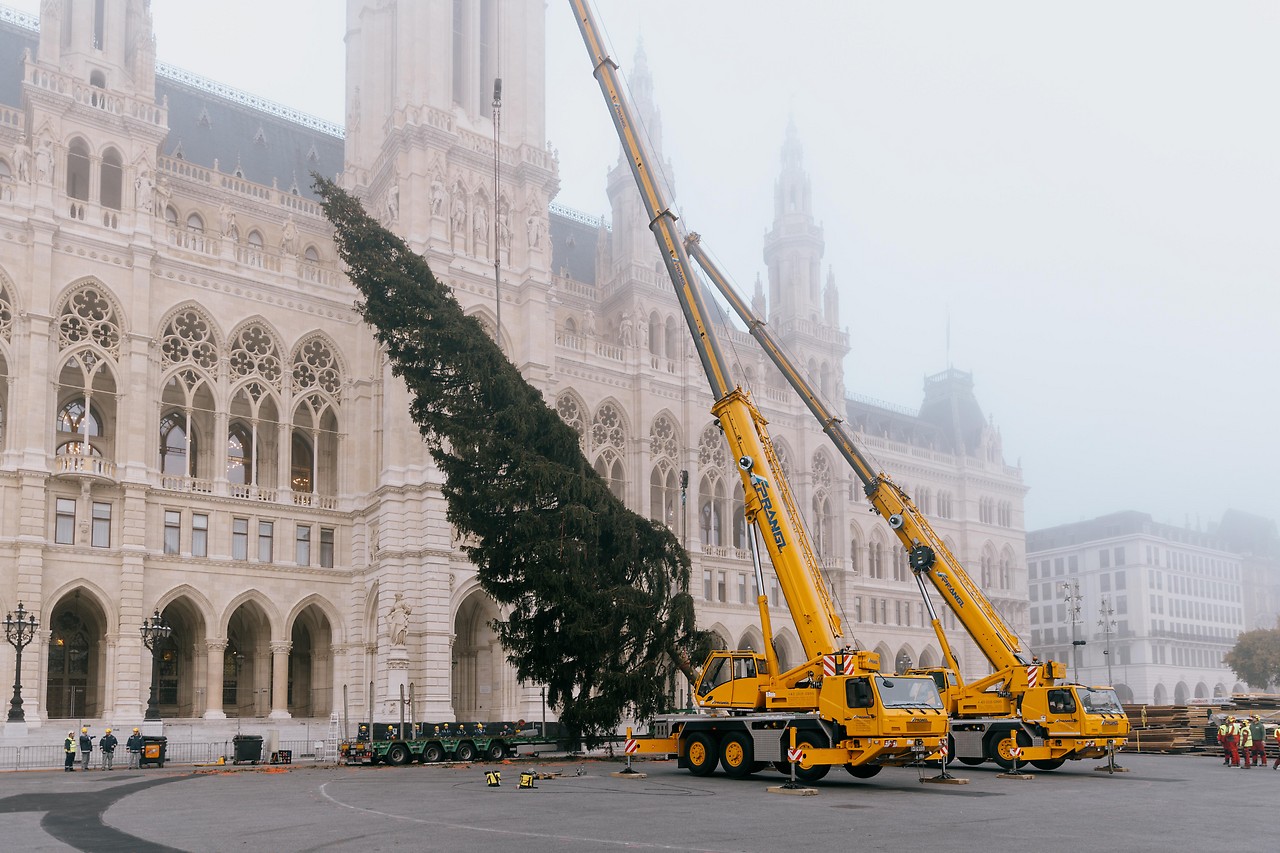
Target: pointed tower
{"points": [[93, 124], [803, 312], [793, 248], [104, 43], [421, 124], [633, 243]]}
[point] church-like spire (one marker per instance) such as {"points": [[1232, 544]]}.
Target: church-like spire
{"points": [[793, 247]]}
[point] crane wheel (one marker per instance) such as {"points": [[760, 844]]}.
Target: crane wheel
{"points": [[1048, 763], [998, 747], [737, 755], [862, 771], [702, 755], [814, 772], [432, 753]]}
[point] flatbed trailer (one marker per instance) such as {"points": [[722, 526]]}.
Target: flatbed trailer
{"points": [[424, 743]]}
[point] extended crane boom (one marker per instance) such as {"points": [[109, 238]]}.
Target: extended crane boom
{"points": [[834, 707], [999, 711]]}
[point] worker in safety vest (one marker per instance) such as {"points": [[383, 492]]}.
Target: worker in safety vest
{"points": [[1244, 743], [1228, 732], [1222, 741], [1276, 732], [1258, 734], [69, 748]]}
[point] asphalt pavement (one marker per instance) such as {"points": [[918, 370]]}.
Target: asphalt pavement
{"points": [[1174, 803]]}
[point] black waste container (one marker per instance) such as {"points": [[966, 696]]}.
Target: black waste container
{"points": [[153, 749], [247, 748]]}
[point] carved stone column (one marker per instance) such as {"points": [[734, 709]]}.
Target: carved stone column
{"points": [[280, 679], [217, 650]]}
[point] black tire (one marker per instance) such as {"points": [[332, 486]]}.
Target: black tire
{"points": [[862, 771], [782, 767], [160, 764], [702, 755], [951, 750], [397, 754], [496, 751], [432, 753], [737, 755], [971, 760], [814, 773], [466, 751], [997, 743], [1048, 763]]}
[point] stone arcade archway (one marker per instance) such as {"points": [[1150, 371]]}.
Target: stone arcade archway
{"points": [[246, 673], [311, 664], [479, 670], [183, 659], [77, 657]]}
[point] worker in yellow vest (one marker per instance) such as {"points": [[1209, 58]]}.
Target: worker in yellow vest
{"points": [[69, 749], [1246, 743], [1276, 732], [1223, 729]]}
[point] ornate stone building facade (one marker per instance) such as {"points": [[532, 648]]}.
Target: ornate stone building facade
{"points": [[194, 421]]}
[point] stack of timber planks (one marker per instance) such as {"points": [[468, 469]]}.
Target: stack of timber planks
{"points": [[1186, 728]]}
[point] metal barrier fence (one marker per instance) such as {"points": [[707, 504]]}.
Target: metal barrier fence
{"points": [[50, 756]]}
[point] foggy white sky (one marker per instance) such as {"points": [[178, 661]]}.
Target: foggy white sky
{"points": [[1090, 191]]}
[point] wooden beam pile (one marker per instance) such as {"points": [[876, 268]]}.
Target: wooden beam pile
{"points": [[1172, 728]]}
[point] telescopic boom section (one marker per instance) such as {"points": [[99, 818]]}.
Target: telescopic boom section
{"points": [[929, 555], [768, 499]]}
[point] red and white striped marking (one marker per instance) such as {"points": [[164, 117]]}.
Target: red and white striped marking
{"points": [[1016, 752], [942, 750], [795, 756], [632, 746], [828, 664], [1033, 676], [848, 664]]}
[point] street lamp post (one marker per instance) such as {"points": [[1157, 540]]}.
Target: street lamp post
{"points": [[1071, 595], [19, 632], [154, 629], [1108, 627]]}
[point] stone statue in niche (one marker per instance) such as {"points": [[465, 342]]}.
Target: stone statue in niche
{"points": [[289, 238], [437, 197], [626, 330], [144, 189], [398, 621], [589, 324]]}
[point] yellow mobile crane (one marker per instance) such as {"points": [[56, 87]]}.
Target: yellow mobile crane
{"points": [[1021, 702], [836, 706]]}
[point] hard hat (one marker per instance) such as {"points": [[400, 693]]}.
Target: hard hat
{"points": [[108, 731], [84, 730], [135, 731], [69, 734]]}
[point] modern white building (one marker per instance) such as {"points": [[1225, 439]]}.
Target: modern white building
{"points": [[1156, 607], [195, 422]]}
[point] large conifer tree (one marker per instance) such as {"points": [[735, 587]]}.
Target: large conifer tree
{"points": [[596, 597]]}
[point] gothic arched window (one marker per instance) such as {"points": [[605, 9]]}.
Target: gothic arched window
{"points": [[177, 447], [78, 170]]}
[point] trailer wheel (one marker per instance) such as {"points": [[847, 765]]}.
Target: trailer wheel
{"points": [[737, 755], [466, 751], [814, 773], [863, 771], [972, 761], [701, 755], [432, 753], [1048, 763], [397, 754], [496, 751]]}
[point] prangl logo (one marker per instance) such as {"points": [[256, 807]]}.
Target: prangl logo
{"points": [[761, 487]]}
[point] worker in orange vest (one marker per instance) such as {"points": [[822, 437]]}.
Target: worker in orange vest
{"points": [[1228, 732]]}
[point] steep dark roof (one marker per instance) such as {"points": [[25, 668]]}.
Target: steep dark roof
{"points": [[1250, 534], [204, 127], [14, 39], [950, 405], [574, 242]]}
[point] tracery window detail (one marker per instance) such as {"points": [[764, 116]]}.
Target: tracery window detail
{"points": [[570, 411], [662, 439], [607, 429], [254, 352], [314, 366], [711, 448], [189, 340], [87, 316]]}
